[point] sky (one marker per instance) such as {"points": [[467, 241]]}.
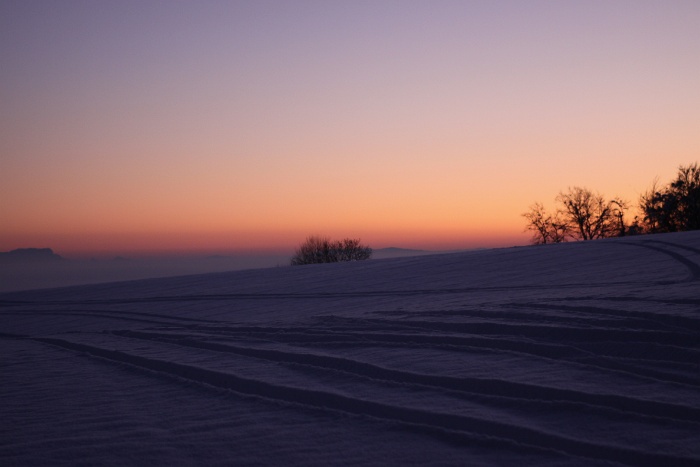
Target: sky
{"points": [[161, 126]]}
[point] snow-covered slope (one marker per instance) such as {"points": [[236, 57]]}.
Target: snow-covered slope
{"points": [[571, 354]]}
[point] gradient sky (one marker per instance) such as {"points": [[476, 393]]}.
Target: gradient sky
{"points": [[137, 126]]}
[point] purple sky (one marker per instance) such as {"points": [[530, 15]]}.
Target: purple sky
{"points": [[218, 125]]}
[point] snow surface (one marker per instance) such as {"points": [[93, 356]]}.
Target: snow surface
{"points": [[571, 354]]}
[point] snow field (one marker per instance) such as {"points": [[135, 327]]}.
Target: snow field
{"points": [[570, 354]]}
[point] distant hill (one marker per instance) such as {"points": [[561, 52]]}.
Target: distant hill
{"points": [[29, 254], [393, 252]]}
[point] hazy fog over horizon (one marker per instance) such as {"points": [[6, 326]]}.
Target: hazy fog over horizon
{"points": [[26, 269]]}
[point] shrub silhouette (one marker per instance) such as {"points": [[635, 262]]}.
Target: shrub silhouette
{"points": [[322, 250]]}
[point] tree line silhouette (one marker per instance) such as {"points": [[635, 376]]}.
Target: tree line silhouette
{"points": [[582, 214]]}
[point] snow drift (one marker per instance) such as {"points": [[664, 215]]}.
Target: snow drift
{"points": [[569, 354]]}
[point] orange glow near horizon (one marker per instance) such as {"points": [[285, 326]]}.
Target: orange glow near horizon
{"points": [[234, 127], [273, 241]]}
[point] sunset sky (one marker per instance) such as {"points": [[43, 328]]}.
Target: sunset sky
{"points": [[213, 126]]}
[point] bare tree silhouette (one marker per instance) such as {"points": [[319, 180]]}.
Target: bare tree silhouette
{"points": [[584, 215], [589, 215], [316, 249], [580, 214], [546, 228]]}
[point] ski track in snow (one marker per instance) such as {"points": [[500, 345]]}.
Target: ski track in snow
{"points": [[572, 354]]}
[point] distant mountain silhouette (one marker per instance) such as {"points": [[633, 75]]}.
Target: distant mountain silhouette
{"points": [[30, 255], [393, 252]]}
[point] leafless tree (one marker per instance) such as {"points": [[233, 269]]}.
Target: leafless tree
{"points": [[322, 250], [619, 207], [350, 249], [545, 227], [589, 215]]}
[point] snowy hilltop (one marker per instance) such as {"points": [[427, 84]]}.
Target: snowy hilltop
{"points": [[566, 354]]}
